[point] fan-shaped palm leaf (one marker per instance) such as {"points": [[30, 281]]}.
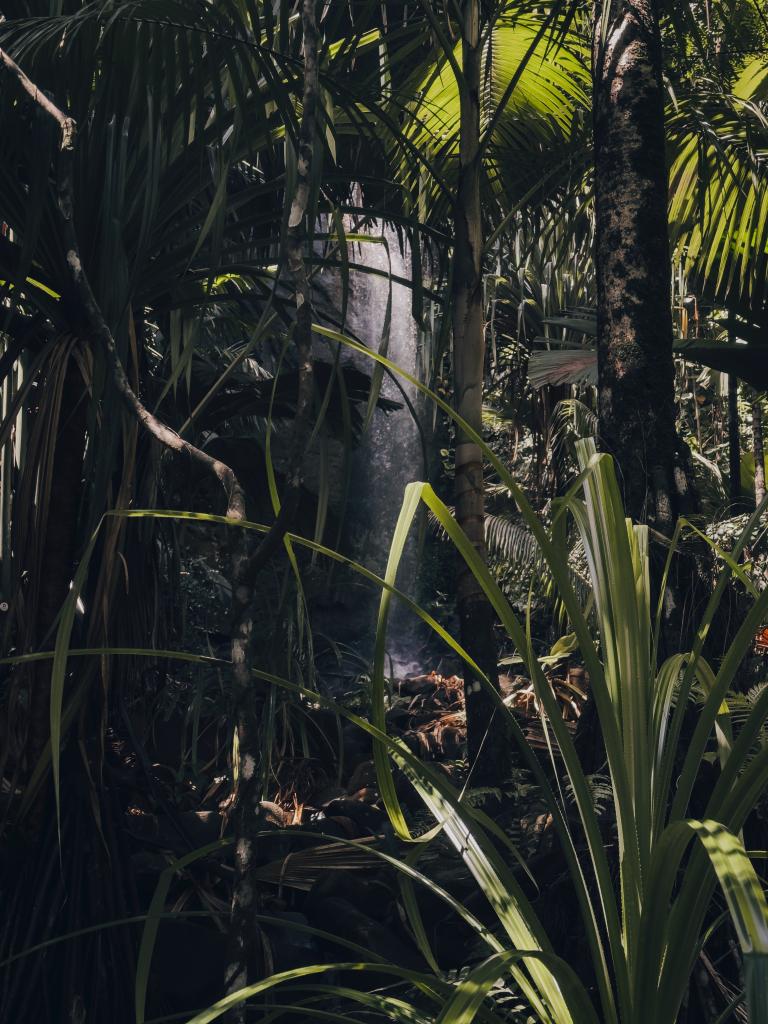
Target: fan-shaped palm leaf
{"points": [[719, 186]]}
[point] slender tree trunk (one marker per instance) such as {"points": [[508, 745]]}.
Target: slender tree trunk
{"points": [[634, 316], [734, 437], [486, 737], [249, 693], [734, 445], [246, 564], [757, 449]]}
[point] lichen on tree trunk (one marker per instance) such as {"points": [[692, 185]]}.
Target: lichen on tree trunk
{"points": [[734, 441], [634, 316], [758, 449]]}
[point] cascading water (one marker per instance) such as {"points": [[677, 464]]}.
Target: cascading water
{"points": [[391, 453]]}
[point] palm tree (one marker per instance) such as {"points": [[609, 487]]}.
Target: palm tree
{"points": [[488, 100], [174, 211], [487, 746], [150, 202], [634, 314]]}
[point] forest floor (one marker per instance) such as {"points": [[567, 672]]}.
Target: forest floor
{"points": [[309, 873]]}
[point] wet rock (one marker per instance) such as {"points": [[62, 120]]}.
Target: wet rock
{"points": [[325, 795], [338, 828], [349, 829], [370, 820]]}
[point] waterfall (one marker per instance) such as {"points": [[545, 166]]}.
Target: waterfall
{"points": [[391, 452]]}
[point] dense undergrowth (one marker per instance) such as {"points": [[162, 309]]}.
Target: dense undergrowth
{"points": [[344, 676]]}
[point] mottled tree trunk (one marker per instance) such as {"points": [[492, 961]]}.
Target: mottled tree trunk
{"points": [[634, 317], [734, 434], [758, 449], [486, 737], [734, 441]]}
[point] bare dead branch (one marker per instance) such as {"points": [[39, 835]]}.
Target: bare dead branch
{"points": [[295, 240], [90, 307]]}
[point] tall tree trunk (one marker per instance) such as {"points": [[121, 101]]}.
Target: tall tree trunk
{"points": [[246, 954], [734, 442], [634, 316], [757, 449], [486, 737], [734, 445]]}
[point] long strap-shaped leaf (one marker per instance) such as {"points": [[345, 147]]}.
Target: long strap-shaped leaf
{"points": [[461, 827], [559, 570], [242, 995], [570, 600], [409, 762], [462, 1008], [667, 766], [661, 954], [544, 693]]}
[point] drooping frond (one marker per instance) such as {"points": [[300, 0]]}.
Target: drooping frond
{"points": [[533, 91], [719, 187], [562, 366], [571, 421], [509, 541]]}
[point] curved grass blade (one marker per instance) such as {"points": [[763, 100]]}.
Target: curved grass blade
{"points": [[463, 1006], [663, 960]]}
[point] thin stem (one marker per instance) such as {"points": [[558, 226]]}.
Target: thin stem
{"points": [[758, 449], [250, 699]]}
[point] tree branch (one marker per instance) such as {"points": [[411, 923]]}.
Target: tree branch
{"points": [[93, 315], [295, 240]]}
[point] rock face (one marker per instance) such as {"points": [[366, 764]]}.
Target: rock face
{"points": [[379, 315]]}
